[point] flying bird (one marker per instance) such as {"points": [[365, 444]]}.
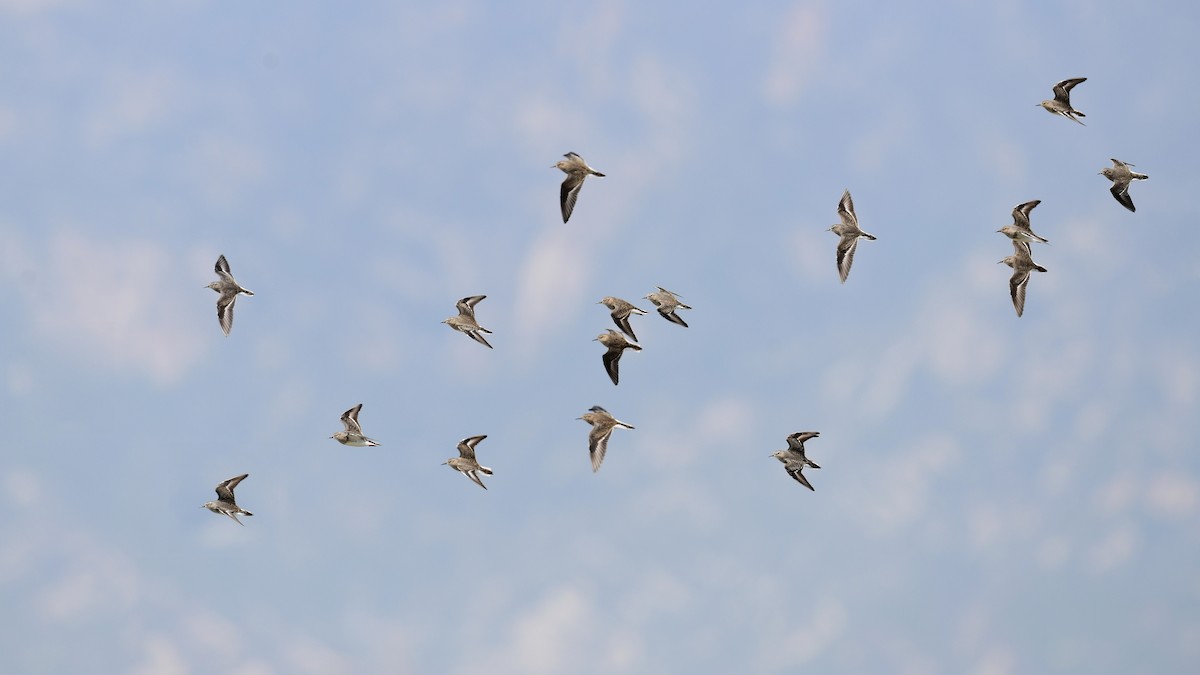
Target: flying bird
{"points": [[577, 170], [621, 310], [1061, 103], [667, 302], [616, 344], [465, 462], [849, 232], [602, 428], [794, 460], [225, 502], [465, 322], [1120, 175], [1020, 230], [1021, 262], [353, 434], [229, 289]]}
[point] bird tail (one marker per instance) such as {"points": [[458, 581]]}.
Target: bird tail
{"points": [[597, 173], [244, 512], [869, 236], [813, 464], [486, 470], [1140, 176], [246, 292], [634, 347], [1040, 268]]}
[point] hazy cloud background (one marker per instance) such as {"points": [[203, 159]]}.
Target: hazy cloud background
{"points": [[998, 495]]}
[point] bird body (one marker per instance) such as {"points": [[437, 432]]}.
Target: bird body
{"points": [[621, 309], [466, 464], [794, 459], [849, 234], [465, 322], [1020, 230], [667, 302], [577, 170], [1021, 262], [229, 289], [616, 344], [602, 427], [353, 434], [1121, 175], [1061, 103], [225, 503]]}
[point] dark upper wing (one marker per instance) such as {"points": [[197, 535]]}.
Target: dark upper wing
{"points": [[225, 489], [598, 443], [222, 267], [350, 419], [568, 193], [1120, 190], [466, 447], [1062, 90], [847, 245], [797, 472], [611, 358]]}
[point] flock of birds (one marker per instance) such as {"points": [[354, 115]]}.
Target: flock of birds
{"points": [[667, 303]]}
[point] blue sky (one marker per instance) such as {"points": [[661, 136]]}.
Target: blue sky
{"points": [[997, 495]]}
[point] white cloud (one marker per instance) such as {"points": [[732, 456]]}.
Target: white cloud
{"points": [[797, 646], [30, 7], [162, 658], [798, 52], [1172, 495], [549, 637], [130, 103], [1114, 550], [115, 304]]}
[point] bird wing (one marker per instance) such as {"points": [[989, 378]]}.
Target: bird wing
{"points": [[845, 254], [470, 473], [225, 310], [569, 192], [611, 358], [1062, 90], [598, 443], [846, 210], [466, 306], [350, 420], [1016, 288], [466, 447], [474, 334], [1120, 191], [225, 488], [797, 472], [1020, 214]]}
